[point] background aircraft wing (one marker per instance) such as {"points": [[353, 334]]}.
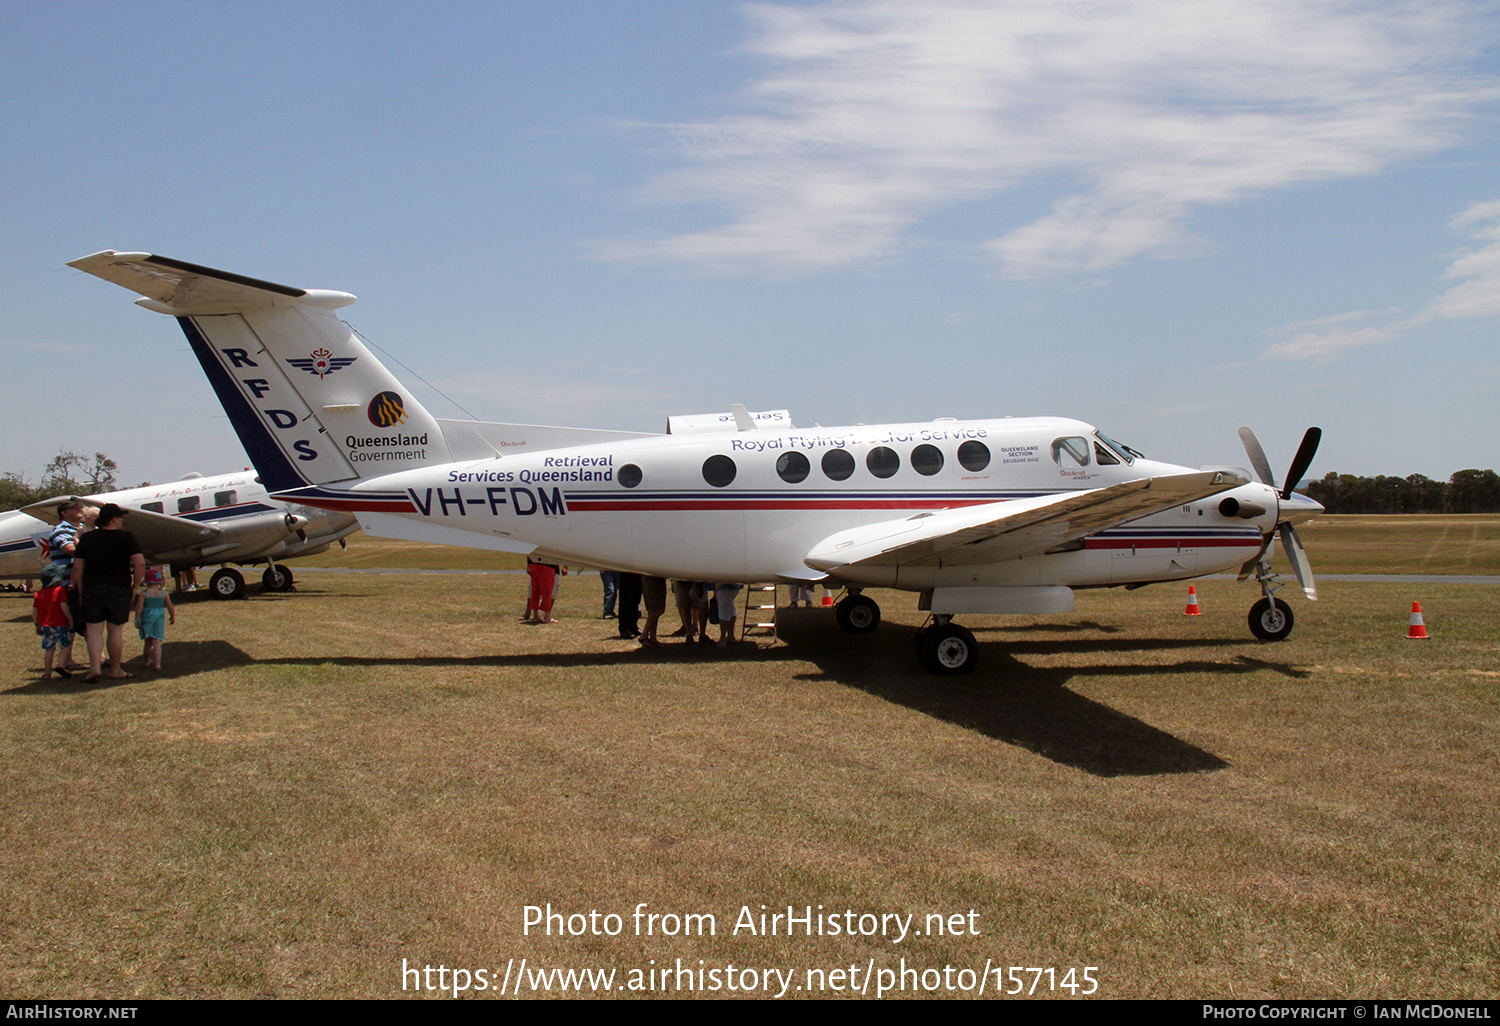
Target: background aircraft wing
{"points": [[1009, 530], [155, 532]]}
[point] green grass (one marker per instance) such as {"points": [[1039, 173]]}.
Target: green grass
{"points": [[379, 767]]}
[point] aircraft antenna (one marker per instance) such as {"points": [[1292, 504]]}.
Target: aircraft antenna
{"points": [[391, 356]]}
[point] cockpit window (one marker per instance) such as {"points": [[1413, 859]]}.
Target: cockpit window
{"points": [[1103, 456], [1124, 452], [1070, 452]]}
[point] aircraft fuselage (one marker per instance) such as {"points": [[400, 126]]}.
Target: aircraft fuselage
{"points": [[750, 505]]}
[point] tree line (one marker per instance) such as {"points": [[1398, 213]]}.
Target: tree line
{"points": [[67, 474], [1467, 491]]}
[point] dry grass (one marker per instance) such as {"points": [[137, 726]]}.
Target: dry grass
{"points": [[384, 767]]}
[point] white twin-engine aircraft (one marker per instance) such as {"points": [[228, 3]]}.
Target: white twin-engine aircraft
{"points": [[979, 516], [198, 521]]}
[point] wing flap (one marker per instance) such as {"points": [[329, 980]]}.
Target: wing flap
{"points": [[1010, 530]]}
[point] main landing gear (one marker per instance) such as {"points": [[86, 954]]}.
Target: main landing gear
{"points": [[943, 647], [276, 578], [227, 583], [947, 649], [857, 614]]}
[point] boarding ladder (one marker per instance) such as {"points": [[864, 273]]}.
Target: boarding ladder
{"points": [[760, 609]]}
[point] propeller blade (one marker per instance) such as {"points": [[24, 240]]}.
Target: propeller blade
{"points": [[1305, 453], [1298, 557], [1257, 456]]}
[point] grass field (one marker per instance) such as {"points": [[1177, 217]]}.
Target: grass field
{"points": [[378, 768]]}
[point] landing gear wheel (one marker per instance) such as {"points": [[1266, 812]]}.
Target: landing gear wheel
{"points": [[227, 584], [857, 615], [947, 649], [276, 578], [1271, 620]]}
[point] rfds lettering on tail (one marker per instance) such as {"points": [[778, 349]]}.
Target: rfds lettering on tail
{"points": [[1009, 515]]}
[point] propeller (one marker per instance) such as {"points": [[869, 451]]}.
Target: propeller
{"points": [[1290, 542]]}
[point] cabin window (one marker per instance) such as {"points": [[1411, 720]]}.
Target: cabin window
{"points": [[792, 467], [1070, 452], [974, 456], [838, 464], [883, 461], [718, 470], [151, 507], [629, 475], [224, 498], [927, 460], [188, 503]]}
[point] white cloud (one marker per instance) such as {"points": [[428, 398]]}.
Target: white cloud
{"points": [[1476, 295], [874, 115]]}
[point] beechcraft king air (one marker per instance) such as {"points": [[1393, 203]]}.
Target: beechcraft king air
{"points": [[978, 516]]}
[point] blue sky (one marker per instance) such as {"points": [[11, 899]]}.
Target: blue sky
{"points": [[1166, 218]]}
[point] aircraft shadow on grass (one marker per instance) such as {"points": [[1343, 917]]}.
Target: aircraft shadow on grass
{"points": [[1004, 698]]}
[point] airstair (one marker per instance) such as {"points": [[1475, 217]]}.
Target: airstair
{"points": [[760, 609]]}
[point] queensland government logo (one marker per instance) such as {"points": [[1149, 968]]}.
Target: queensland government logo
{"points": [[322, 363], [387, 410]]}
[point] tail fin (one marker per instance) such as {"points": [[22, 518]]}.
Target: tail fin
{"points": [[310, 403]]}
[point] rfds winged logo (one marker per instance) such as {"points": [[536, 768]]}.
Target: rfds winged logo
{"points": [[322, 363]]}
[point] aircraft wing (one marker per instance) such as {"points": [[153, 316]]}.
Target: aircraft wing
{"points": [[154, 532], [997, 531]]}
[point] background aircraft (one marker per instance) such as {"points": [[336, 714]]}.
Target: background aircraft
{"points": [[20, 556], [991, 516], [198, 521]]}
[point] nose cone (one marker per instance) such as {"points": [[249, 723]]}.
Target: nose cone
{"points": [[1299, 509]]}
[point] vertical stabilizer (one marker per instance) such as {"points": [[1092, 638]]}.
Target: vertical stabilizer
{"points": [[311, 404]]}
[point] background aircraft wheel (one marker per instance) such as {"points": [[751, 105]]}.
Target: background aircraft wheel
{"points": [[276, 578], [1271, 620], [857, 615], [948, 649], [227, 584]]}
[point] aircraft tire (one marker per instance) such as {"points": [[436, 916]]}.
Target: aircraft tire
{"points": [[1270, 622], [857, 615], [227, 583], [276, 578], [948, 650]]}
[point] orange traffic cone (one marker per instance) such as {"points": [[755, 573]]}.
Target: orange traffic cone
{"points": [[1417, 631], [1192, 606], [827, 597]]}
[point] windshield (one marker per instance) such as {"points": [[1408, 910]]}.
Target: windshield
{"points": [[1125, 452]]}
